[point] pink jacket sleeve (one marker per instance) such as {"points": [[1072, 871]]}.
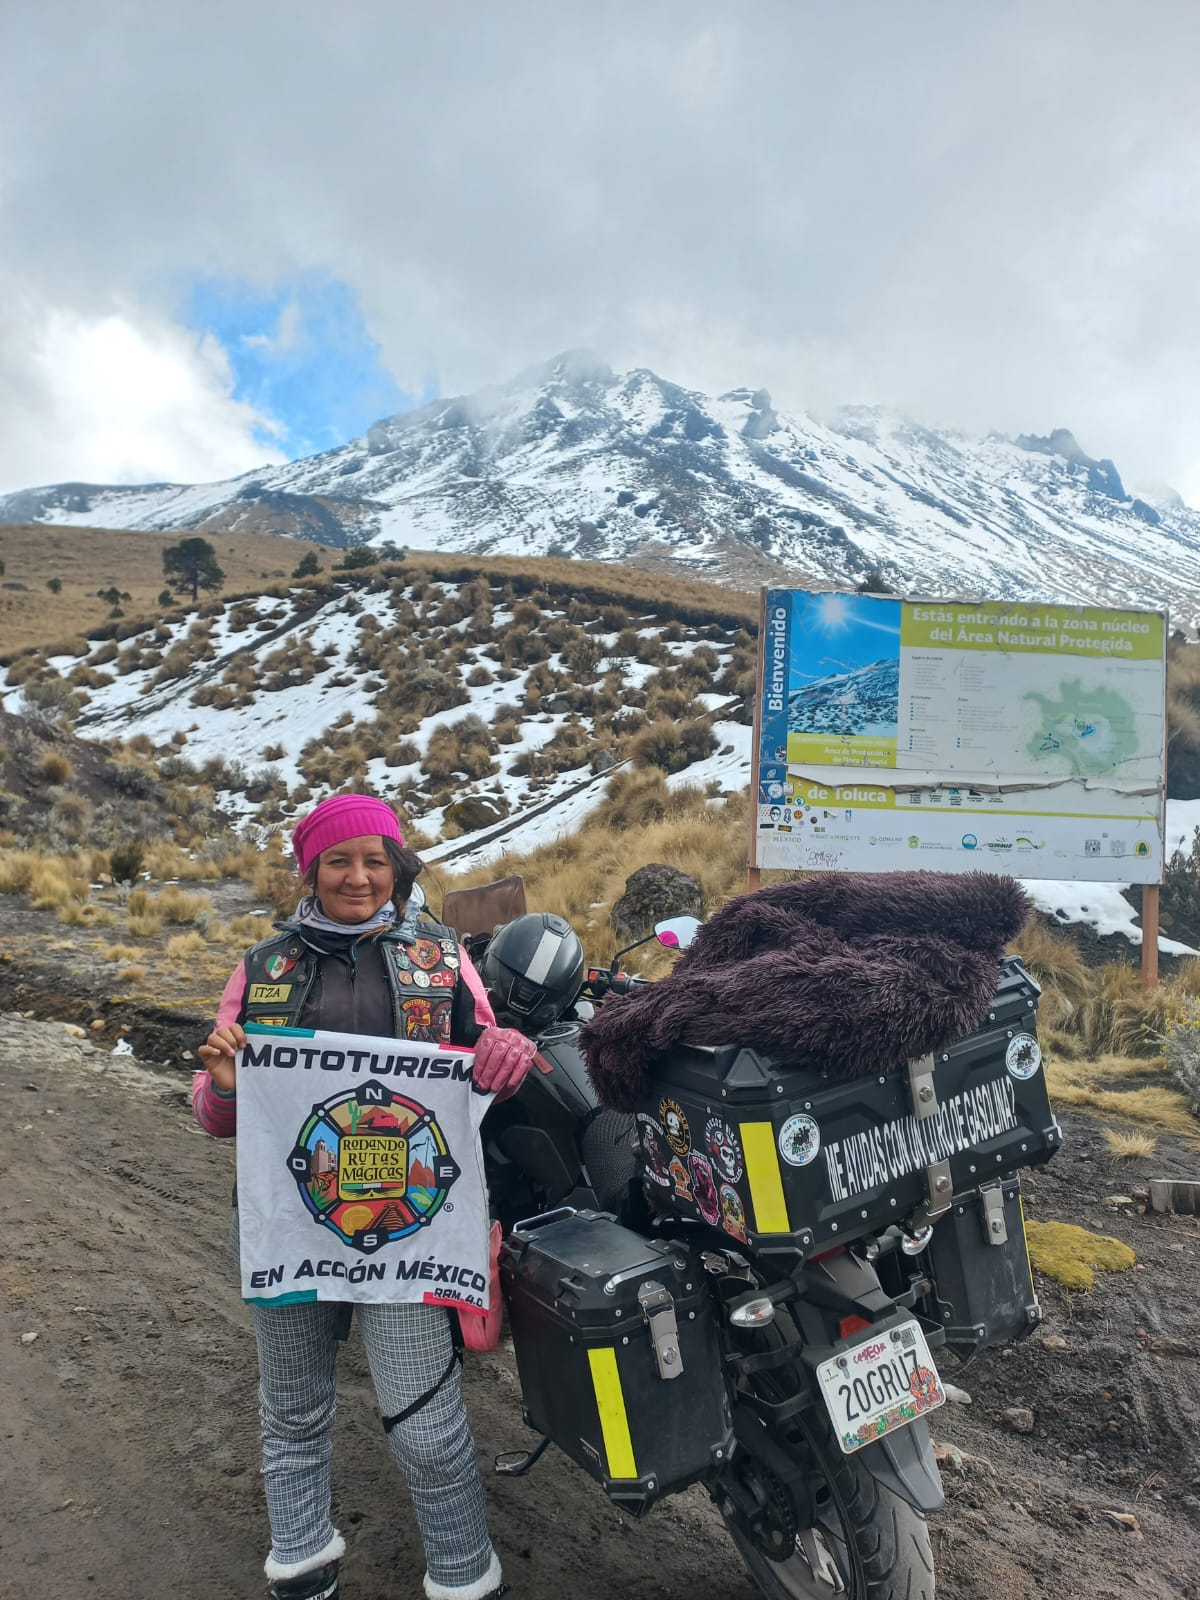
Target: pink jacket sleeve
{"points": [[215, 1112], [484, 1015]]}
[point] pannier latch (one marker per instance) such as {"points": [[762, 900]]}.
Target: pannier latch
{"points": [[658, 1308], [939, 1183], [921, 1087], [995, 1228]]}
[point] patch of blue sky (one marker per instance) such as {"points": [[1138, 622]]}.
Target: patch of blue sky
{"points": [[301, 355]]}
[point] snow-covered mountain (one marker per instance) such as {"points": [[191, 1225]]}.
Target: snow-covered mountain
{"points": [[573, 459], [845, 704]]}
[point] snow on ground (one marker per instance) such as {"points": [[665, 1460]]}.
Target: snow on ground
{"points": [[561, 818], [729, 765]]}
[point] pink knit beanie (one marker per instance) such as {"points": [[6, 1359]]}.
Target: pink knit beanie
{"points": [[342, 816]]}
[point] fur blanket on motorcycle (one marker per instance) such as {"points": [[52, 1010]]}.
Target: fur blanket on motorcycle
{"points": [[846, 973]]}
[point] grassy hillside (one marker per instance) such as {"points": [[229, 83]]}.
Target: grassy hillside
{"points": [[85, 560]]}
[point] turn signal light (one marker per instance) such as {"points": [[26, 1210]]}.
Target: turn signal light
{"points": [[753, 1313]]}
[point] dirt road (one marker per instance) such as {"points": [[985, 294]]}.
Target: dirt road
{"points": [[129, 1461]]}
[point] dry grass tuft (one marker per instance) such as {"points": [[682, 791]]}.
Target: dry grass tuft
{"points": [[55, 767], [144, 925], [122, 952], [176, 905], [1130, 1146], [165, 860], [50, 886], [1085, 1084], [86, 916], [184, 947], [1053, 960]]}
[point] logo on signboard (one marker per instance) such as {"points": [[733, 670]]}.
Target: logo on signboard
{"points": [[970, 841], [372, 1166]]}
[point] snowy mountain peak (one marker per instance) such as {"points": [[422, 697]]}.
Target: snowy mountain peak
{"points": [[572, 458]]}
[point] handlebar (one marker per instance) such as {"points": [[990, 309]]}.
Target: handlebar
{"points": [[599, 981]]}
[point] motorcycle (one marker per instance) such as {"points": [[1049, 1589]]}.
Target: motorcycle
{"points": [[694, 1296]]}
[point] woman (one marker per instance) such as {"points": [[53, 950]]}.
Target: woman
{"points": [[343, 955]]}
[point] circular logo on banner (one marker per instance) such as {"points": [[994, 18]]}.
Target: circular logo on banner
{"points": [[654, 1149], [1023, 1056], [799, 1140], [724, 1149], [372, 1166], [679, 1135], [704, 1188]]}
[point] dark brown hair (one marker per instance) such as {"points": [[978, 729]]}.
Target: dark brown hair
{"points": [[407, 867]]}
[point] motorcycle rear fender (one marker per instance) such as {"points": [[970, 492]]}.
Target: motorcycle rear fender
{"points": [[902, 1461]]}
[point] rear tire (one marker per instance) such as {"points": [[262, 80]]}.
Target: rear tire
{"points": [[879, 1545]]}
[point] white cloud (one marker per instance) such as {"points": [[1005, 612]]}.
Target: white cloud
{"points": [[982, 214], [126, 397]]}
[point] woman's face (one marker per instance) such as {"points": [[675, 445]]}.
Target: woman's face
{"points": [[354, 879]]}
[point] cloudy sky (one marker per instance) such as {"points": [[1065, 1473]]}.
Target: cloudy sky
{"points": [[236, 232]]}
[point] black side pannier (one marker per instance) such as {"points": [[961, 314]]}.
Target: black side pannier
{"points": [[616, 1346], [796, 1160], [983, 1290]]}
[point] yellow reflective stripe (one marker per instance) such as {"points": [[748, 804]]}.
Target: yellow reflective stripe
{"points": [[766, 1186], [610, 1403]]}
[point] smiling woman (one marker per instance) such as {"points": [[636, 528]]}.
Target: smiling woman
{"points": [[360, 957]]}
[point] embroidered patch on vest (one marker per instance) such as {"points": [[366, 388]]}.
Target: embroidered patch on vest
{"points": [[426, 954], [279, 964], [275, 994], [427, 1019]]}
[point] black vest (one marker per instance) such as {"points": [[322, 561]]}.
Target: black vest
{"points": [[424, 981]]}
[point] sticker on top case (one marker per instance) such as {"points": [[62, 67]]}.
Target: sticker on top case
{"points": [[653, 1142], [733, 1213], [679, 1177], [799, 1140], [707, 1201], [675, 1124], [724, 1149]]}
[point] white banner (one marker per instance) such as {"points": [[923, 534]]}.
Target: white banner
{"points": [[360, 1171]]}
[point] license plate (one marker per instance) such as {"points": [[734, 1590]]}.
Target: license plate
{"points": [[881, 1382]]}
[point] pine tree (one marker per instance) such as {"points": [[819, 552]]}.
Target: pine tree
{"points": [[192, 565]]}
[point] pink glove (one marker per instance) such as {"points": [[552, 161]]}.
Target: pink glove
{"points": [[503, 1057]]}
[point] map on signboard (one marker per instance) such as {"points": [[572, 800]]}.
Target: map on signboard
{"points": [[1091, 731]]}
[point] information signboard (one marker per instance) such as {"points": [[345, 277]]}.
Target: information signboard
{"points": [[957, 735]]}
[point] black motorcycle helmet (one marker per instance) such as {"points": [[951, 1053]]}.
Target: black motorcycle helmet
{"points": [[533, 968]]}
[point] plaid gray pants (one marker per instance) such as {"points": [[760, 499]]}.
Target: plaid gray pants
{"points": [[408, 1348]]}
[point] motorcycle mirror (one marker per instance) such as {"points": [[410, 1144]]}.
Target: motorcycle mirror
{"points": [[677, 933]]}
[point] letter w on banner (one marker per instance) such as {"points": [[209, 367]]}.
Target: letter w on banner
{"points": [[360, 1172]]}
